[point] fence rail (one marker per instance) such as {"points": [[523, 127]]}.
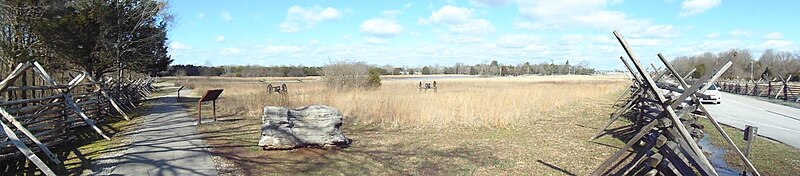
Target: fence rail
{"points": [[665, 141], [39, 117], [787, 91]]}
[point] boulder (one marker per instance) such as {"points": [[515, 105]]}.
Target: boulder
{"points": [[318, 125]]}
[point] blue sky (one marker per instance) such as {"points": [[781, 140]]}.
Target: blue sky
{"points": [[416, 33]]}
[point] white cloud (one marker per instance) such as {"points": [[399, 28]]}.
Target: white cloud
{"points": [[299, 18], [479, 26], [415, 34], [648, 42], [489, 3], [459, 20], [540, 48], [518, 40], [380, 27], [554, 9], [278, 49], [662, 31], [739, 33], [374, 40], [773, 36], [347, 37], [451, 15], [603, 39], [780, 45], [694, 7], [572, 39], [712, 35], [719, 45], [179, 46], [226, 16], [460, 39], [230, 51], [392, 13], [313, 42], [201, 16], [550, 15], [219, 38]]}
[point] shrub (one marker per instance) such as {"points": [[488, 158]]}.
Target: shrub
{"points": [[374, 79], [345, 75]]}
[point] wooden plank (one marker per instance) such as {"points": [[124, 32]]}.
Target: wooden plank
{"points": [[670, 111], [25, 150], [30, 136], [716, 125], [44, 74], [111, 100], [641, 154], [14, 75], [602, 168], [689, 155], [77, 110], [23, 101], [29, 88], [674, 159]]}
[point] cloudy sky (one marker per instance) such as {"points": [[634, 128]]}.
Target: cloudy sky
{"points": [[415, 33]]}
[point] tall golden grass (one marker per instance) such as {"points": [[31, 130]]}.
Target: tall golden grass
{"points": [[478, 102]]}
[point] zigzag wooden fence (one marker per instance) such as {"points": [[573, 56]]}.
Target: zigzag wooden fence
{"points": [[665, 142], [777, 88], [32, 125]]}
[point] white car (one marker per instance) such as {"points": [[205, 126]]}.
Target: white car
{"points": [[714, 95]]}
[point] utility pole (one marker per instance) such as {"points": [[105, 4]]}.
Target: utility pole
{"points": [[752, 67]]}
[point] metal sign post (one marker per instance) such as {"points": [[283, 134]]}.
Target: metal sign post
{"points": [[179, 93], [210, 95]]}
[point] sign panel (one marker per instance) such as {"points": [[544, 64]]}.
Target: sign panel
{"points": [[211, 95]]}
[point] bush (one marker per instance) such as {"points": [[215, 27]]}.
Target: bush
{"points": [[374, 79], [345, 75]]}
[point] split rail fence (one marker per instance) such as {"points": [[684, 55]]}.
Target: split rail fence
{"points": [[47, 115], [777, 88], [665, 110]]}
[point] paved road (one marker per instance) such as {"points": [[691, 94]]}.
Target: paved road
{"points": [[778, 122], [167, 144]]}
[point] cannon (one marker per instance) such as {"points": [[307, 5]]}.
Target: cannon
{"points": [[277, 89], [427, 85]]}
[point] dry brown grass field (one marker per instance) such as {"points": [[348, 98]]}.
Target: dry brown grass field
{"points": [[479, 102], [484, 126], [475, 126]]}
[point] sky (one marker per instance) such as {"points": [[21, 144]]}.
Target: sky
{"points": [[419, 33]]}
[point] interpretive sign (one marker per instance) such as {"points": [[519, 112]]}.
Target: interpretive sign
{"points": [[210, 95]]}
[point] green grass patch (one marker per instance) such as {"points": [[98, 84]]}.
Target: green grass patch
{"points": [[768, 156]]}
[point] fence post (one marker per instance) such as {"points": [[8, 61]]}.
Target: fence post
{"points": [[785, 91], [769, 88], [750, 134]]}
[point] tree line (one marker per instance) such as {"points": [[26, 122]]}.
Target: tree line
{"points": [[96, 36], [770, 65], [244, 71], [493, 68]]}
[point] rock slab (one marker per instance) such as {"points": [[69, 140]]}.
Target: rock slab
{"points": [[318, 125]]}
